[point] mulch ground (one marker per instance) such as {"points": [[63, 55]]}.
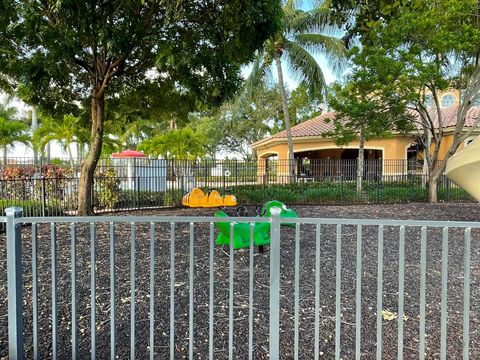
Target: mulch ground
{"points": [[442, 212]]}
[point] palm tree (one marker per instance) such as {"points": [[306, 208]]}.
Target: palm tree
{"points": [[303, 35], [183, 144], [11, 130], [65, 132]]}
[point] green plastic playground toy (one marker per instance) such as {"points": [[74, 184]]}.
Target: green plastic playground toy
{"points": [[261, 231], [241, 233], [284, 213]]}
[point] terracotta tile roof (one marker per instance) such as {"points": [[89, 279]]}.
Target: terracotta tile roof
{"points": [[317, 126], [450, 116], [313, 127]]}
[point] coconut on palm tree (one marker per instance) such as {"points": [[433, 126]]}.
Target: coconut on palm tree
{"points": [[304, 34]]}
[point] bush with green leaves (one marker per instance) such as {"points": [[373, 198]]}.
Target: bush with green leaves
{"points": [[106, 189]]}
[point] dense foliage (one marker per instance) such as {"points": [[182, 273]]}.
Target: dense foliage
{"points": [[422, 48], [66, 57]]}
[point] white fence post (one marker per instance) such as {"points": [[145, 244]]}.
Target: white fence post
{"points": [[15, 284], [275, 285]]}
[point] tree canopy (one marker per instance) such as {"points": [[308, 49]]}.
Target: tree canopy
{"points": [[69, 56], [424, 47]]}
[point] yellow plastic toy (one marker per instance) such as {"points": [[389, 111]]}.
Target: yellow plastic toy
{"points": [[197, 198]]}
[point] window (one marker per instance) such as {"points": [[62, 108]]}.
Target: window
{"points": [[428, 100], [448, 100]]}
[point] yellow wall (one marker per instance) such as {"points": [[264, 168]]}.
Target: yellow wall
{"points": [[394, 148]]}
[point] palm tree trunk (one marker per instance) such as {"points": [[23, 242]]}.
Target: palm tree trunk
{"points": [[79, 154], [49, 151], [4, 156], [34, 128], [70, 155], [286, 117]]}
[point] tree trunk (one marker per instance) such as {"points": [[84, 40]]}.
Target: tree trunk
{"points": [[79, 153], [5, 156], [286, 117], [85, 185], [426, 155], [361, 161], [432, 186], [70, 155], [49, 151]]}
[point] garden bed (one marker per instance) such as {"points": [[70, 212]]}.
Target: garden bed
{"points": [[443, 212]]}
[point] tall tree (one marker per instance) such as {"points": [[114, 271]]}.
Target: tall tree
{"points": [[303, 34], [65, 53], [428, 48], [360, 116]]}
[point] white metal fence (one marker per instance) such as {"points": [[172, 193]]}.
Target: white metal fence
{"points": [[159, 287]]}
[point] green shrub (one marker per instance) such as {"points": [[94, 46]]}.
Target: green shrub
{"points": [[140, 198], [107, 189], [173, 198], [34, 207]]}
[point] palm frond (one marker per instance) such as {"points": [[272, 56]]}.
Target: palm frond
{"points": [[256, 77], [316, 19], [331, 47], [304, 68]]}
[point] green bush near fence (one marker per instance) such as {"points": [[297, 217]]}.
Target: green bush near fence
{"points": [[34, 208], [342, 193], [133, 198]]}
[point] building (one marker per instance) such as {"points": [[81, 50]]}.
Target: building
{"points": [[317, 157]]}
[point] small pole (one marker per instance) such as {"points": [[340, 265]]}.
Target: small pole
{"points": [[223, 175], [378, 188], [275, 285], [44, 195], [14, 284], [341, 188], [412, 188]]}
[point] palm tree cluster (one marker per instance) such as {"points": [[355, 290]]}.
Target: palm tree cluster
{"points": [[304, 35]]}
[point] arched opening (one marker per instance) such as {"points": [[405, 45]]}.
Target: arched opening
{"points": [[267, 168], [329, 163], [415, 156]]}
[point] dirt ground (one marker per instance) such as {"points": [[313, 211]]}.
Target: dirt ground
{"points": [[441, 212]]}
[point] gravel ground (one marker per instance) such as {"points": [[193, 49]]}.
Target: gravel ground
{"points": [[442, 212]]}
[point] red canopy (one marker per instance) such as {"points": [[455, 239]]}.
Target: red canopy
{"points": [[129, 153]]}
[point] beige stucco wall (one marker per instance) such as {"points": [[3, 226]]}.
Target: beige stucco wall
{"points": [[394, 148]]}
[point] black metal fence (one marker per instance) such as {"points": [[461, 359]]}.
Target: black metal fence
{"points": [[51, 189]]}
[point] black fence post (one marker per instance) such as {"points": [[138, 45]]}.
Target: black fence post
{"points": [[137, 187], [44, 195], [412, 186], [378, 189], [447, 188], [236, 172], [341, 188], [14, 284]]}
